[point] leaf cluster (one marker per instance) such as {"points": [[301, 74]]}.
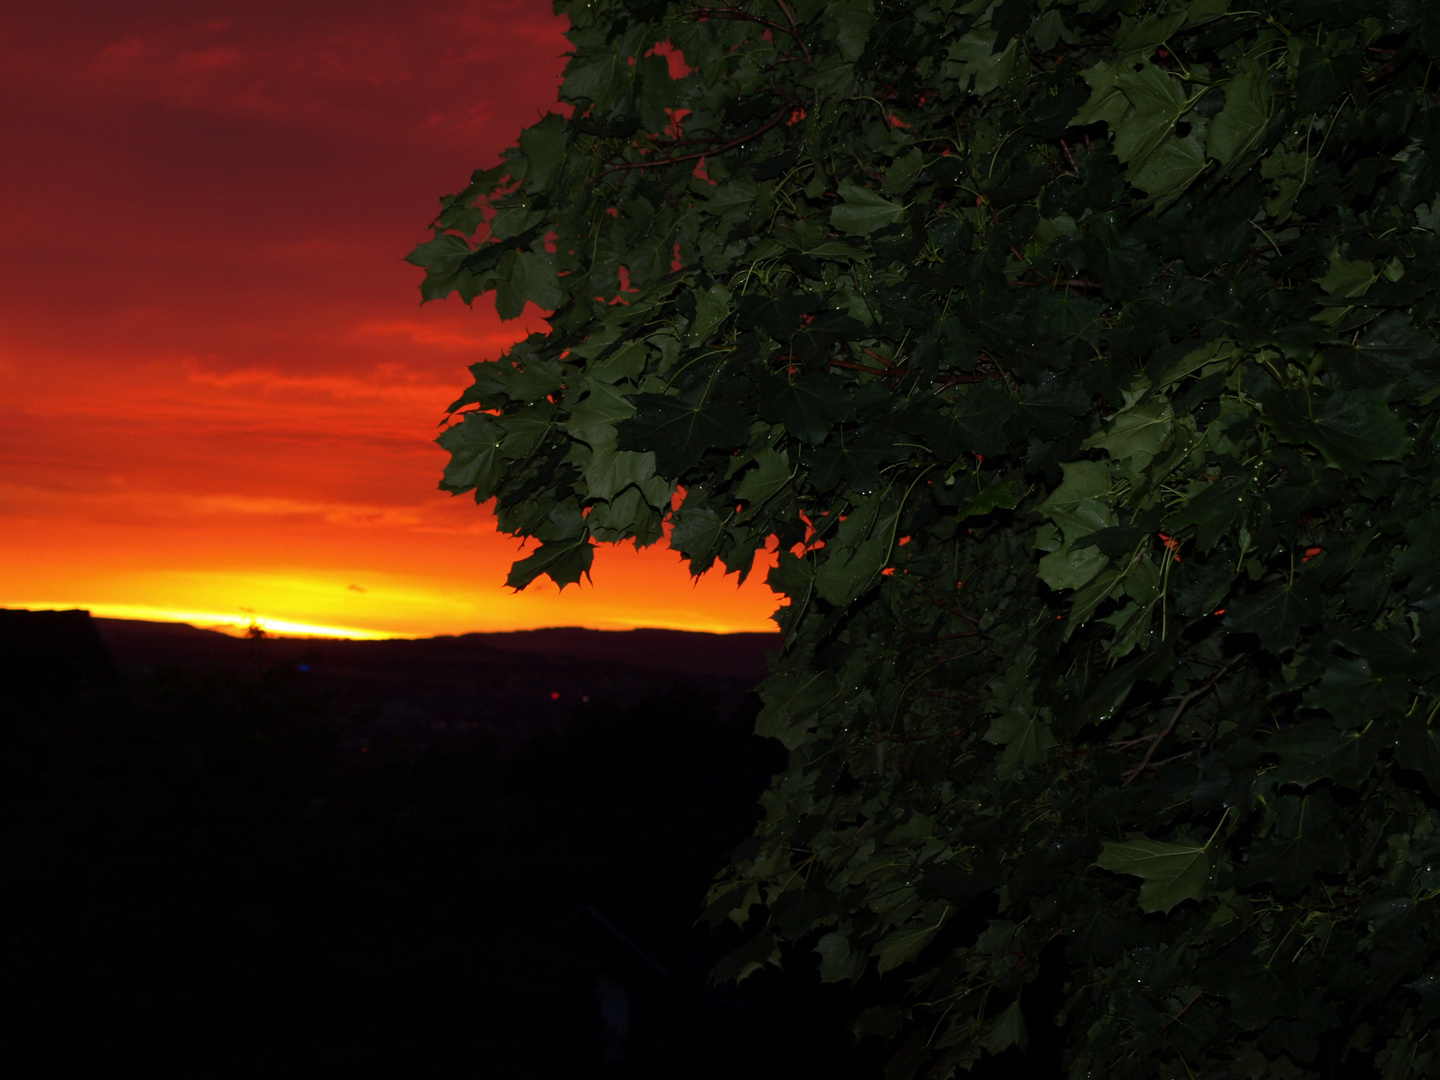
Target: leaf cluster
{"points": [[1078, 361]]}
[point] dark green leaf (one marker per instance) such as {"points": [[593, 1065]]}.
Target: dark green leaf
{"points": [[1323, 76], [1199, 588], [1354, 693], [1317, 750], [739, 964], [697, 533], [600, 79], [778, 316], [1302, 843], [864, 211], [1353, 427], [564, 562], [1026, 738], [1419, 750], [809, 405], [1171, 872], [679, 433], [998, 496], [850, 564], [1150, 665], [1242, 121], [791, 701], [1276, 614], [771, 473], [1258, 991], [524, 276], [1213, 512], [474, 446], [1394, 339], [839, 960]]}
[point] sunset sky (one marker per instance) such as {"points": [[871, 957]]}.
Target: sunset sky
{"points": [[218, 390]]}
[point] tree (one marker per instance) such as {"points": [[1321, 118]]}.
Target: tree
{"points": [[1077, 357]]}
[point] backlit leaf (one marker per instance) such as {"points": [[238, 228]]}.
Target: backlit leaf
{"points": [[474, 446]]}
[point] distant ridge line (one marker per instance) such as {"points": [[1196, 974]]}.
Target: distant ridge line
{"points": [[741, 654]]}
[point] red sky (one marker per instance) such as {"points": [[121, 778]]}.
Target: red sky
{"points": [[218, 391]]}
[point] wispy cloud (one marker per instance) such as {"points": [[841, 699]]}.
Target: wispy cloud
{"points": [[427, 333], [386, 382], [347, 514], [343, 70]]}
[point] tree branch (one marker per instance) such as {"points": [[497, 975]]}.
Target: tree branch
{"points": [[794, 29], [731, 145], [1175, 718], [744, 16]]}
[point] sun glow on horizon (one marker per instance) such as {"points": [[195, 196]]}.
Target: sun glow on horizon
{"points": [[341, 596], [235, 625], [255, 435]]}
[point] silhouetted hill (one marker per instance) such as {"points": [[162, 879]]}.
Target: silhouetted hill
{"points": [[729, 655], [506, 684], [242, 858], [139, 643]]}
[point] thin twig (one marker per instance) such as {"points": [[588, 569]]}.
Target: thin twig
{"points": [[1175, 718], [731, 145], [744, 16], [1176, 1018], [1069, 156]]}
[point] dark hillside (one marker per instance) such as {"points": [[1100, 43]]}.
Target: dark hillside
{"points": [[506, 685], [226, 868]]}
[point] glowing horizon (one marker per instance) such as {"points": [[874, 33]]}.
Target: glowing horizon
{"points": [[240, 625], [210, 620], [395, 604], [242, 416]]}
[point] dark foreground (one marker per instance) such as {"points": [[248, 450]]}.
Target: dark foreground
{"points": [[215, 874], [482, 856]]}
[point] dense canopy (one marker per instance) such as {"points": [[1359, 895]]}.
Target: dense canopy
{"points": [[1078, 358]]}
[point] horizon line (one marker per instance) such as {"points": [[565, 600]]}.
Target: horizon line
{"points": [[240, 625]]}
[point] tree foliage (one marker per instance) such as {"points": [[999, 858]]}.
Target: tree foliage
{"points": [[1078, 359]]}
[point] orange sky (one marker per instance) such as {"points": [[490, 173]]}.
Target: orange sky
{"points": [[218, 391]]}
